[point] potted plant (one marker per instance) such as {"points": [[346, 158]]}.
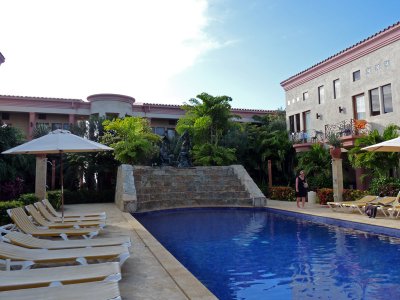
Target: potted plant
{"points": [[335, 142]]}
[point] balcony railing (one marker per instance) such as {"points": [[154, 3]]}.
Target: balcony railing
{"points": [[347, 130], [350, 127]]}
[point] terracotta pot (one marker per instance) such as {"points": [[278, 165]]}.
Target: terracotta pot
{"points": [[335, 152]]}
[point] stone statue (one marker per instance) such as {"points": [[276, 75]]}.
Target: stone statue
{"points": [[184, 160], [166, 157]]}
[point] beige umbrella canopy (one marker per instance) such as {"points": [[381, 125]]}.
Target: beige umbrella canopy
{"points": [[58, 141], [392, 145]]}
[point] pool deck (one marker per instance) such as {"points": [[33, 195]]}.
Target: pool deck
{"points": [[153, 273]]}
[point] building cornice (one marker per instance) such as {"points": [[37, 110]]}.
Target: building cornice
{"points": [[362, 48]]}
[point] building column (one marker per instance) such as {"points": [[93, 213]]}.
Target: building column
{"points": [[337, 178], [31, 125], [360, 185], [41, 175], [71, 120]]}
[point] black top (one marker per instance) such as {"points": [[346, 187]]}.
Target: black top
{"points": [[302, 190]]}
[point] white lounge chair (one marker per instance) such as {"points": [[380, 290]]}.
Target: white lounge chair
{"points": [[38, 218], [13, 255], [100, 216], [33, 278], [28, 241], [22, 221], [92, 290]]}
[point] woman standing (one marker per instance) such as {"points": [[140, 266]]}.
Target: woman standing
{"points": [[301, 189]]}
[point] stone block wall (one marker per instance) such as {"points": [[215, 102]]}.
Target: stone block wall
{"points": [[168, 187]]}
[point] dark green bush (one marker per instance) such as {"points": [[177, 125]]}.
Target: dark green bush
{"points": [[54, 198], [351, 195], [389, 186], [28, 198], [88, 196], [282, 193], [4, 205]]}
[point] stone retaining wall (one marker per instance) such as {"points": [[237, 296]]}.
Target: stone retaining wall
{"points": [[142, 188]]}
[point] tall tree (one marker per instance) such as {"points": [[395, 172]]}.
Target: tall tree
{"points": [[208, 119]]}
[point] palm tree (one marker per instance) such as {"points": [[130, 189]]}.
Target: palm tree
{"points": [[379, 163]]}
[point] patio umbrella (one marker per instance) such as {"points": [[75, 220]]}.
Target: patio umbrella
{"points": [[392, 145], [58, 141]]}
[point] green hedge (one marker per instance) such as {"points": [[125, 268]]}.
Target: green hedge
{"points": [[28, 198], [282, 193], [54, 198], [4, 205]]}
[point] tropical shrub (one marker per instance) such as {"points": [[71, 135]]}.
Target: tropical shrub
{"points": [[4, 205], [132, 140], [54, 198], [282, 193], [325, 195], [213, 155], [28, 198], [351, 195], [388, 186]]}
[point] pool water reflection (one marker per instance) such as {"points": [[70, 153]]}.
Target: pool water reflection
{"points": [[256, 254]]}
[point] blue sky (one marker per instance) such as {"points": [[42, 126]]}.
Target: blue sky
{"points": [[169, 51]]}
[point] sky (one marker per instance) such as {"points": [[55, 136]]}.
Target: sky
{"points": [[160, 51]]}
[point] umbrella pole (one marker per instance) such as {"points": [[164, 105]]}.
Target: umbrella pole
{"points": [[62, 188]]}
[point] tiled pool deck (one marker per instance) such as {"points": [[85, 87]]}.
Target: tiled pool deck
{"points": [[153, 273]]}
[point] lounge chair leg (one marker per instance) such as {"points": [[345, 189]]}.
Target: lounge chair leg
{"points": [[113, 277], [64, 236], [55, 283], [123, 257], [82, 260]]}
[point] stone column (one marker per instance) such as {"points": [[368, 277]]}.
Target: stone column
{"points": [[41, 174], [32, 124], [337, 177]]}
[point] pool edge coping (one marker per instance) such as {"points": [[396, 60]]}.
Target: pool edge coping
{"points": [[189, 285]]}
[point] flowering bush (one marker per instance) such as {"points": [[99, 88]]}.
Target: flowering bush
{"points": [[282, 193], [325, 195], [351, 195]]}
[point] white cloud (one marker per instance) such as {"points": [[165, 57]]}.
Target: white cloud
{"points": [[75, 48]]}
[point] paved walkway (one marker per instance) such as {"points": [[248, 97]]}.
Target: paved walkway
{"points": [[153, 273]]}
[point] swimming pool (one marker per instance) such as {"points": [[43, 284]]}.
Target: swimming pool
{"points": [[259, 254]]}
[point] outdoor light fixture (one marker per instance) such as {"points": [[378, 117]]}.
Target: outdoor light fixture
{"points": [[341, 109], [318, 116]]}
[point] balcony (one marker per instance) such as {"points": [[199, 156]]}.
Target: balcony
{"points": [[347, 130]]}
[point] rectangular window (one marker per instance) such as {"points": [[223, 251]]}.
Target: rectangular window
{"points": [[55, 126], [336, 89], [356, 75], [321, 94], [172, 122], [160, 131], [291, 123], [307, 123], [171, 133], [297, 122], [387, 98], [359, 107], [374, 102], [42, 116], [305, 96], [66, 126]]}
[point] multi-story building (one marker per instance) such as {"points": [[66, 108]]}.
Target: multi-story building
{"points": [[349, 93], [26, 112]]}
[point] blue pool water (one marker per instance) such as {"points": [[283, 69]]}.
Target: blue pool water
{"points": [[257, 254]]}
